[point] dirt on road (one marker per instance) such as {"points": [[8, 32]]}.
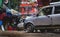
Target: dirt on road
{"points": [[24, 34]]}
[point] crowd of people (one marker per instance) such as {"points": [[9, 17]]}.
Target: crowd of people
{"points": [[9, 21]]}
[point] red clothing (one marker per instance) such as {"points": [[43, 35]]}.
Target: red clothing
{"points": [[2, 16], [40, 3], [9, 28]]}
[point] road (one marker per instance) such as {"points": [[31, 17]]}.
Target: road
{"points": [[24, 34]]}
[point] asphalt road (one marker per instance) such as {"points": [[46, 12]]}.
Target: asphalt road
{"points": [[24, 34]]}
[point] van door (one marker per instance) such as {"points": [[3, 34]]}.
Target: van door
{"points": [[56, 16], [44, 19]]}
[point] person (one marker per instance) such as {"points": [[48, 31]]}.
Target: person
{"points": [[7, 3], [15, 21], [9, 20], [2, 15]]}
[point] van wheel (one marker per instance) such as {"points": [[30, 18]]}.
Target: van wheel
{"points": [[29, 28]]}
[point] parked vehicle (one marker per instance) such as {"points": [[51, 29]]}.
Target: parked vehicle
{"points": [[48, 19]]}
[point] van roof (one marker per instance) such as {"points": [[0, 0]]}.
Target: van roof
{"points": [[55, 3]]}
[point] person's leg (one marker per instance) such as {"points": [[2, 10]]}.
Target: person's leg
{"points": [[2, 28]]}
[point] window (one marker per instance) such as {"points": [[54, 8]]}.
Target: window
{"points": [[46, 11], [57, 10]]}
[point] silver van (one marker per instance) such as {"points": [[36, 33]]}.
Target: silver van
{"points": [[48, 19]]}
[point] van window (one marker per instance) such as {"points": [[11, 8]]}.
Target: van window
{"points": [[47, 11], [57, 10]]}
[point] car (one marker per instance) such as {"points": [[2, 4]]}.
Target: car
{"points": [[48, 19]]}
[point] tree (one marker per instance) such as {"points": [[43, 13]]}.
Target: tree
{"points": [[0, 3], [14, 4]]}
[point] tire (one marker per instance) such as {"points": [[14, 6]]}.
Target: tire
{"points": [[29, 28]]}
